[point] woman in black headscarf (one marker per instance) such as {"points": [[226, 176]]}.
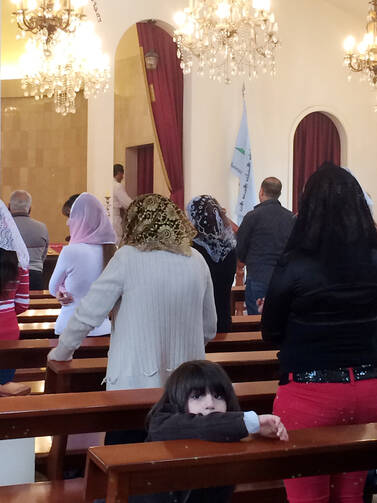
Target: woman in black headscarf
{"points": [[216, 242], [321, 309]]}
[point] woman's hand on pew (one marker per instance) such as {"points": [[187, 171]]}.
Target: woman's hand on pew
{"points": [[60, 354], [64, 297], [272, 427]]}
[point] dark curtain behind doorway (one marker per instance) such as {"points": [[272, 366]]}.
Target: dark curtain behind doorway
{"points": [[316, 141]]}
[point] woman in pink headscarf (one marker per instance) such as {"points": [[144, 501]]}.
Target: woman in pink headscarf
{"points": [[91, 246]]}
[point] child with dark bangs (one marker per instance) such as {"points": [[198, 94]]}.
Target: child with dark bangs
{"points": [[199, 402]]}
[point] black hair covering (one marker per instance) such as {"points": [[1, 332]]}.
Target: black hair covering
{"points": [[334, 222], [195, 376]]}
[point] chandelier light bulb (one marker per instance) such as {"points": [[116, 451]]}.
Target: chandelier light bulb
{"points": [[349, 43], [223, 10], [179, 18], [32, 4], [362, 47], [262, 5]]}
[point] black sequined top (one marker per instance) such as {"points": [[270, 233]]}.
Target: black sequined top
{"points": [[317, 323]]}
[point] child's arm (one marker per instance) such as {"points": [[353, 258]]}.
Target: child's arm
{"points": [[216, 427]]}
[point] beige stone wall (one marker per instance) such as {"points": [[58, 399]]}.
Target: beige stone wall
{"points": [[133, 124], [42, 152]]}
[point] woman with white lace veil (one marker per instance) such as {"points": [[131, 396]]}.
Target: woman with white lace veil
{"points": [[14, 292], [216, 242]]}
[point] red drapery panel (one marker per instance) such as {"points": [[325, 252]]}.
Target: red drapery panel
{"points": [[145, 169], [316, 141], [167, 82]]}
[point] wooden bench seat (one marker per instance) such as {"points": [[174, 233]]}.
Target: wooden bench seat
{"points": [[123, 470], [46, 303], [26, 354], [39, 415], [238, 341], [87, 374], [35, 330], [72, 491], [32, 353], [40, 294], [38, 315], [246, 323], [62, 414], [57, 491]]}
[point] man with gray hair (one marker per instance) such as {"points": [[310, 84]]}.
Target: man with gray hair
{"points": [[261, 238], [34, 234]]}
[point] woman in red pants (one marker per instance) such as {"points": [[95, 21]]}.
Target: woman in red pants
{"points": [[321, 309]]}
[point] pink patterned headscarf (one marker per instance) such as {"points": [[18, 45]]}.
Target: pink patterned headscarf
{"points": [[88, 222]]}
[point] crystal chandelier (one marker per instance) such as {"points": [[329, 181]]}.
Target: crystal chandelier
{"points": [[48, 16], [364, 58], [67, 63], [228, 37]]}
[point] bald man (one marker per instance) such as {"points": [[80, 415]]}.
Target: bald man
{"points": [[261, 239]]}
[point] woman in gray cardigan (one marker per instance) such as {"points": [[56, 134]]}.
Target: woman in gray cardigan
{"points": [[161, 296]]}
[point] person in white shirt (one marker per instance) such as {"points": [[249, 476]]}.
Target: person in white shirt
{"points": [[81, 262], [121, 200]]}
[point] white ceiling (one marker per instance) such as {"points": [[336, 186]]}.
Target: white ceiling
{"points": [[358, 8]]}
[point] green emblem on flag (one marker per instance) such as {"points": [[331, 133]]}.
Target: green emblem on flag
{"points": [[240, 149]]}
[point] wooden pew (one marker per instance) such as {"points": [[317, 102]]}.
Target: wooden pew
{"points": [[124, 470], [46, 303], [32, 353], [37, 330], [238, 341], [38, 315], [40, 294], [237, 294], [87, 374], [23, 354], [58, 414], [53, 414], [246, 323]]}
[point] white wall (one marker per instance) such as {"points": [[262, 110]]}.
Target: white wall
{"points": [[310, 76]]}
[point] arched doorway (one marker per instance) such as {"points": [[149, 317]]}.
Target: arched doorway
{"points": [[149, 112], [316, 141]]}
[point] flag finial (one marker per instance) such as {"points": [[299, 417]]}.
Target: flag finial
{"points": [[243, 90]]}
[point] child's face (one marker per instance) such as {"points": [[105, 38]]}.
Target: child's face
{"points": [[205, 403]]}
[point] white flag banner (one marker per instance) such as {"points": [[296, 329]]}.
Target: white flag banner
{"points": [[242, 167]]}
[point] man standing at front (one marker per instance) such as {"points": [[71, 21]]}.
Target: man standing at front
{"points": [[261, 239], [121, 200], [34, 234]]}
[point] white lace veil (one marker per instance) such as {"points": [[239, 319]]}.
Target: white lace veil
{"points": [[10, 237]]}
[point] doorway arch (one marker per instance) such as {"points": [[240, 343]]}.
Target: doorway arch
{"points": [[316, 139]]}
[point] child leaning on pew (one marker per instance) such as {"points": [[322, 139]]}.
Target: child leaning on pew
{"points": [[199, 402]]}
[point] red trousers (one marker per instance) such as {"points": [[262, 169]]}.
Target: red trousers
{"points": [[324, 404]]}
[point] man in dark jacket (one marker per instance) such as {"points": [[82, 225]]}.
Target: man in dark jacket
{"points": [[261, 239]]}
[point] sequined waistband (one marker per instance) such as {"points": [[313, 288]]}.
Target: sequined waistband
{"points": [[341, 375]]}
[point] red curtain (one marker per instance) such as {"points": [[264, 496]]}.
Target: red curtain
{"points": [[316, 141], [167, 81], [145, 169]]}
